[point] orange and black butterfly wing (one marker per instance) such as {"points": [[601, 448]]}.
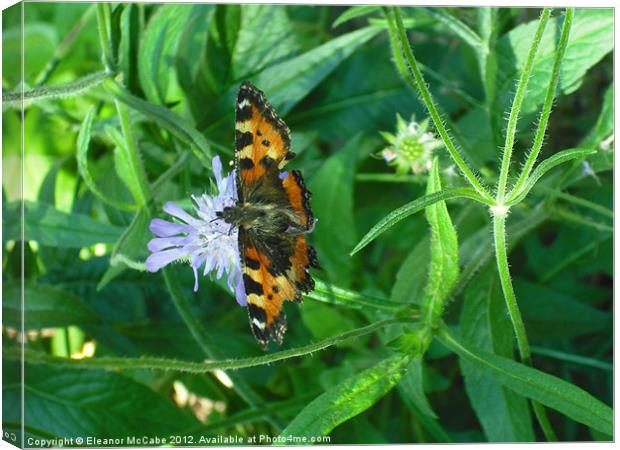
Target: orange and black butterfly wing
{"points": [[303, 255], [275, 268], [262, 140], [267, 287]]}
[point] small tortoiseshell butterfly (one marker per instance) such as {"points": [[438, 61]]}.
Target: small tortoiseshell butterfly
{"points": [[273, 215]]}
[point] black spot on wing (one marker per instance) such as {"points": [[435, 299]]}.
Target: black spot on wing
{"points": [[251, 286], [247, 91], [246, 164], [242, 139], [244, 113], [252, 263], [256, 312], [267, 162]]}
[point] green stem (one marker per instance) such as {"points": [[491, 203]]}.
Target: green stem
{"points": [[77, 87], [517, 104], [104, 26], [123, 363], [499, 234], [409, 66], [390, 178], [546, 110]]}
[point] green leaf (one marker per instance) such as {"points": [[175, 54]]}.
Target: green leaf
{"points": [[412, 387], [458, 28], [265, 36], [324, 320], [558, 315], [413, 207], [49, 226], [293, 79], [604, 126], [549, 390], [130, 246], [158, 48], [75, 403], [190, 57], [353, 98], [335, 234], [542, 168], [129, 44], [40, 40], [47, 191], [484, 323], [44, 306], [411, 276], [222, 36], [590, 40], [444, 267], [353, 12], [351, 397], [127, 169], [166, 119], [288, 82], [82, 160]]}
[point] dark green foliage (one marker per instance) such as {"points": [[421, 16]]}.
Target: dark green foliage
{"points": [[410, 334]]}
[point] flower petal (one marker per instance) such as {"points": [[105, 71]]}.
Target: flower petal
{"points": [[157, 260], [216, 163], [175, 210], [159, 244], [240, 295], [163, 228]]}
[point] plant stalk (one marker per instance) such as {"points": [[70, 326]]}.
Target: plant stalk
{"points": [[517, 103], [499, 234], [546, 110], [403, 56]]}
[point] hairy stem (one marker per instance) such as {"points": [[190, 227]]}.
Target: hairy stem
{"points": [[123, 363], [104, 24], [403, 56], [499, 234], [546, 110], [74, 88], [517, 104]]}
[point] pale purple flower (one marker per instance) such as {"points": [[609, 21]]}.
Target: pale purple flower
{"points": [[202, 240]]}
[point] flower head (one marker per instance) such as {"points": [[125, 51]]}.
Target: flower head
{"points": [[412, 146], [202, 240]]}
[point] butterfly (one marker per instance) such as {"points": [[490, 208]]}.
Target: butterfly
{"points": [[273, 215]]}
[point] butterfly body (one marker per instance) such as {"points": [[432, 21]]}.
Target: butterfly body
{"points": [[273, 216]]}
